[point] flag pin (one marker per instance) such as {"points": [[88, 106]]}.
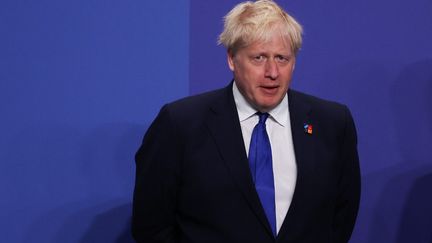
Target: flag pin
{"points": [[308, 129]]}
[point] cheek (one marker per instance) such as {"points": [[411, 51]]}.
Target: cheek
{"points": [[253, 75], [248, 76], [287, 75]]}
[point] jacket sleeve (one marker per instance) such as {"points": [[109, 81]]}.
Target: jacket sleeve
{"points": [[156, 183], [349, 186]]}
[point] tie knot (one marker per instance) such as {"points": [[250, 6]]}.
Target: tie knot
{"points": [[262, 117]]}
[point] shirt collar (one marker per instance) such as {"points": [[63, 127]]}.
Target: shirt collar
{"points": [[245, 110]]}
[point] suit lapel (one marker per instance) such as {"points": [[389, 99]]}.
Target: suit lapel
{"points": [[224, 126], [303, 148]]}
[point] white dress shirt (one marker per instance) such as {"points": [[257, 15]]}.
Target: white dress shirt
{"points": [[278, 128]]}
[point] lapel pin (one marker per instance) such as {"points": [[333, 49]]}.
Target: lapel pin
{"points": [[308, 128]]}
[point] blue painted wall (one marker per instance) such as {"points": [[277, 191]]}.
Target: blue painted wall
{"points": [[80, 81]]}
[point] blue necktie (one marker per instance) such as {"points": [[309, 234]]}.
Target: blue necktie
{"points": [[260, 162]]}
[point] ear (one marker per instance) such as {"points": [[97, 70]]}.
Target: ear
{"points": [[230, 58]]}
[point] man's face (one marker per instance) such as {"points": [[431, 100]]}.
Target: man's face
{"points": [[263, 71]]}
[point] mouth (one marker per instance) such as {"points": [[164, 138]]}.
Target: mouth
{"points": [[269, 90]]}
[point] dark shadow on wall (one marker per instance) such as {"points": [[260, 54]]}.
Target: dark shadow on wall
{"points": [[411, 95], [398, 196], [101, 227], [401, 195], [416, 221], [113, 224], [403, 212], [106, 222], [86, 184], [412, 103]]}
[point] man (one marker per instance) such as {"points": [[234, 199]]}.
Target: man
{"points": [[254, 161]]}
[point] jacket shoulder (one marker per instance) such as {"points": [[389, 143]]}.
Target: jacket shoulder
{"points": [[192, 110], [198, 101], [315, 101], [320, 107]]}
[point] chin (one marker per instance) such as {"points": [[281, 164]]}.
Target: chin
{"points": [[270, 103], [265, 107]]}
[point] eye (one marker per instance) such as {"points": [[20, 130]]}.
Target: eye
{"points": [[282, 59], [259, 58]]}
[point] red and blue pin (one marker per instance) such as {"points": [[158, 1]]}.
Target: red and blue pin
{"points": [[308, 128]]}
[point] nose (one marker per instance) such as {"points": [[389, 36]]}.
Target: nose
{"points": [[271, 69]]}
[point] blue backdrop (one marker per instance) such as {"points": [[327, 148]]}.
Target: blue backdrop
{"points": [[80, 81]]}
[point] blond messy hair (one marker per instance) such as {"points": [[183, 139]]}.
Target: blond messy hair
{"points": [[249, 22]]}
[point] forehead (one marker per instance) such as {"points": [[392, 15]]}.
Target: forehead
{"points": [[275, 43]]}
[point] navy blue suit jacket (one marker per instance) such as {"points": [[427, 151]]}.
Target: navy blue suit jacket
{"points": [[193, 182]]}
